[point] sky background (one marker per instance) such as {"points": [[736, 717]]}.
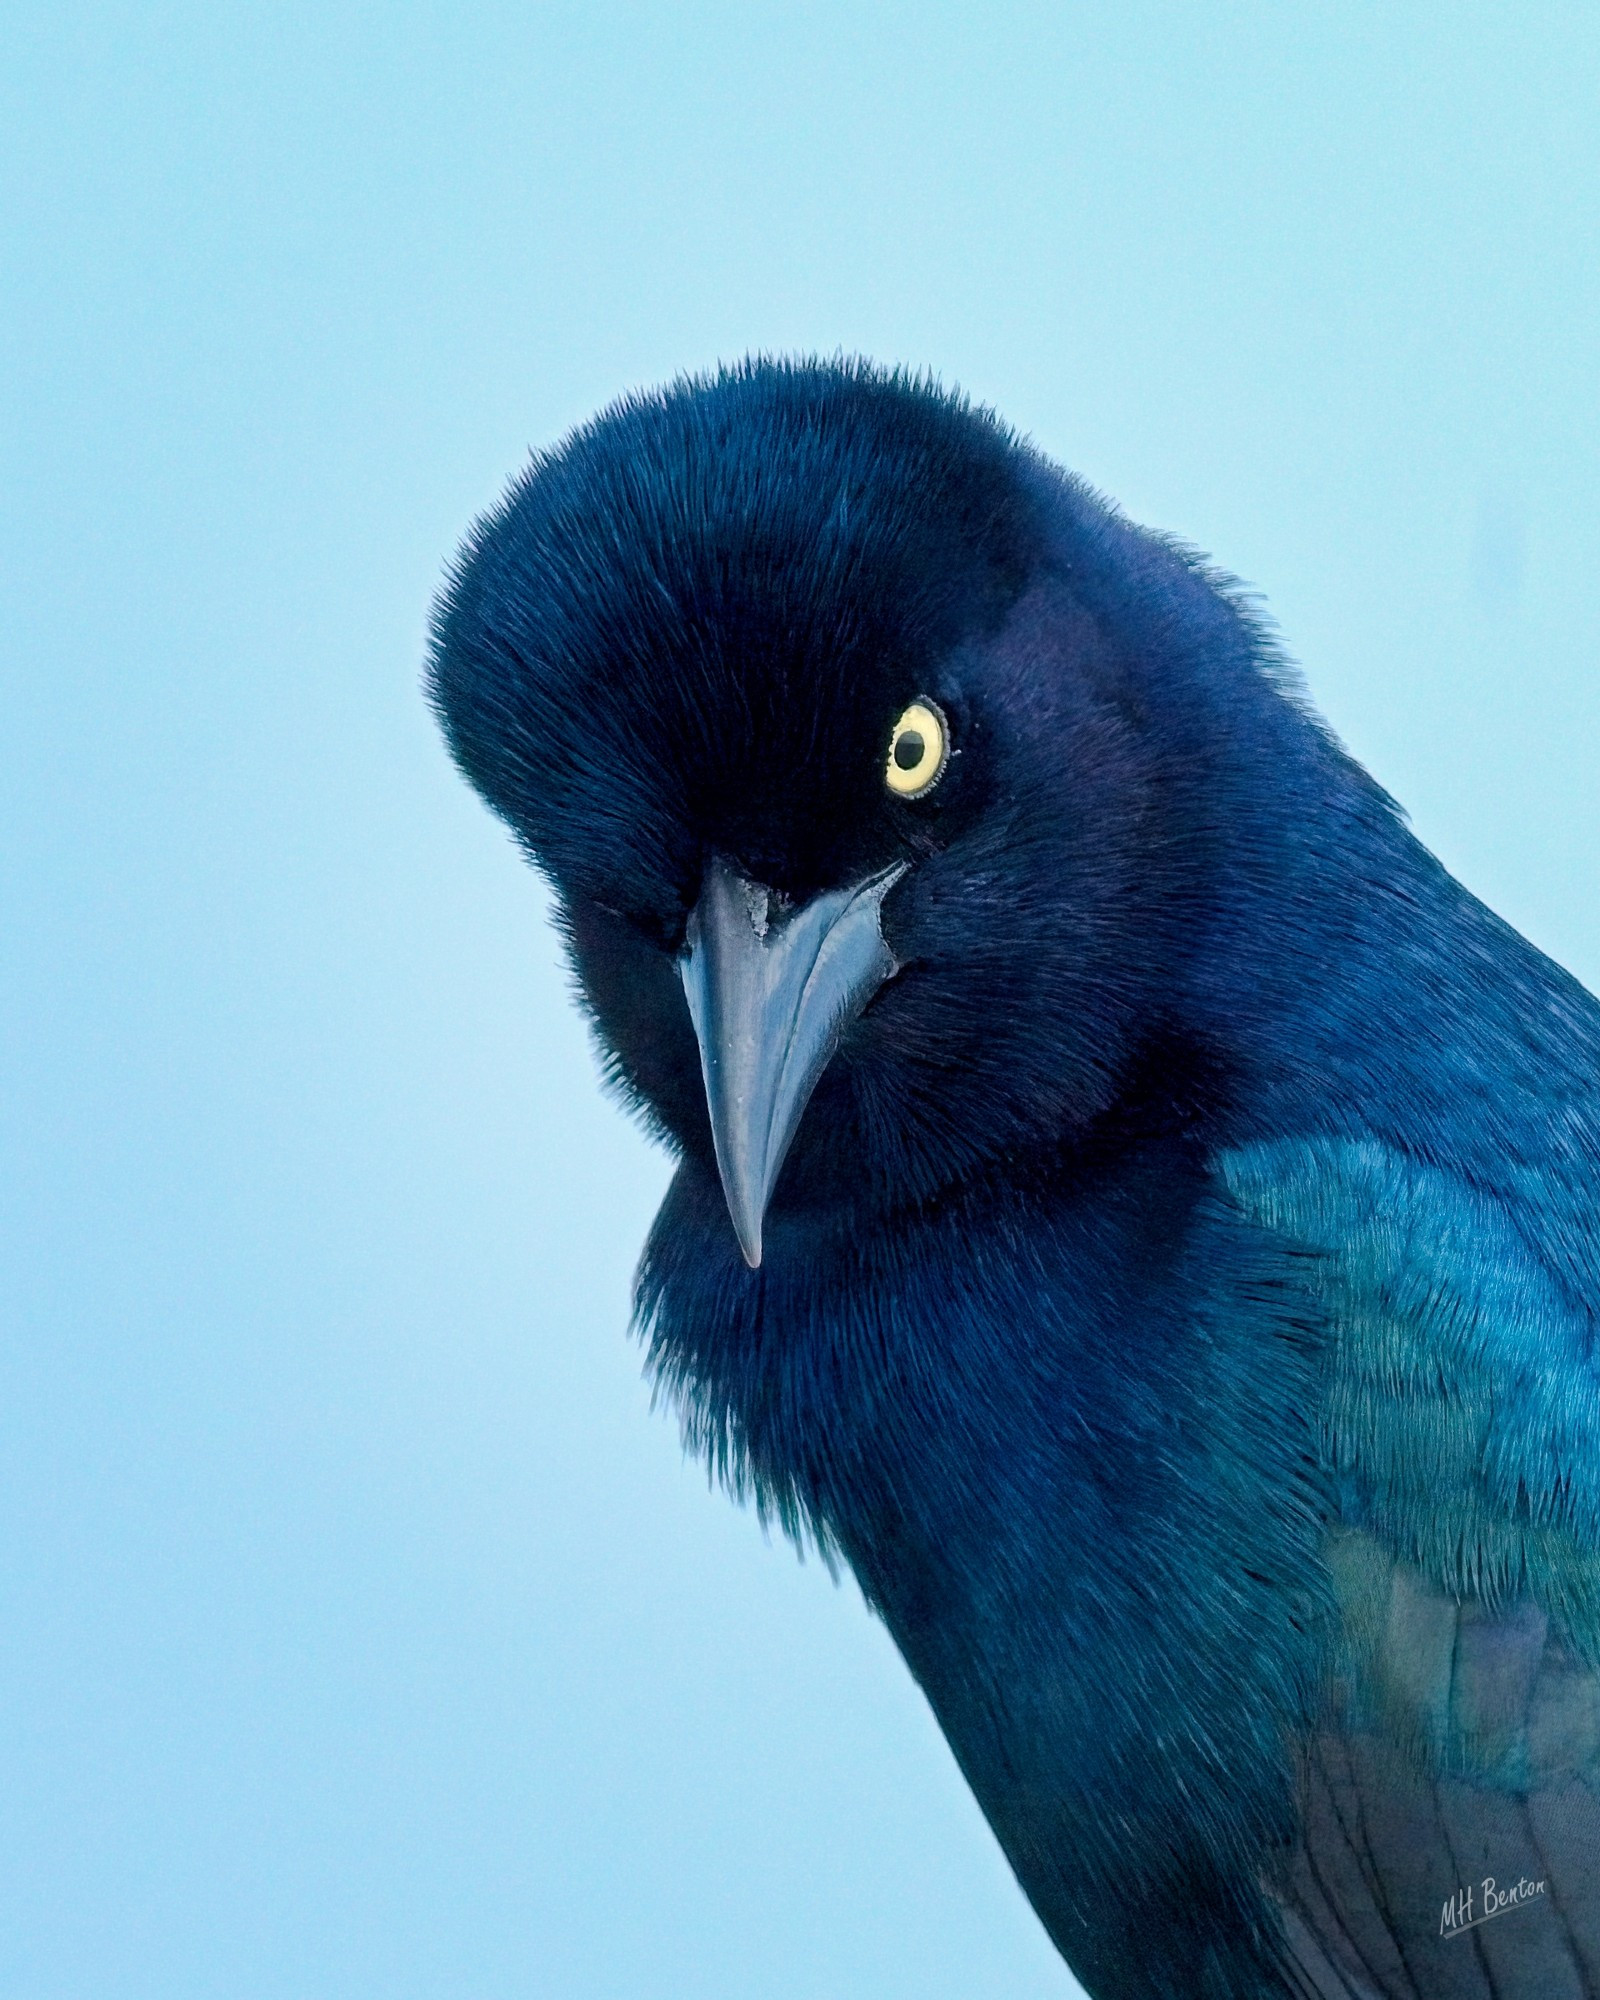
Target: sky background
{"points": [[362, 1630]]}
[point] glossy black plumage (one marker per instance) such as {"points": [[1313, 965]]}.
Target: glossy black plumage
{"points": [[1177, 1301]]}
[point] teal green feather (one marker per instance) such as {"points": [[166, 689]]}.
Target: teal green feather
{"points": [[1460, 1738], [1462, 1410]]}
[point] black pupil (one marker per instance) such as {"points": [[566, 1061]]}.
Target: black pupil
{"points": [[908, 749]]}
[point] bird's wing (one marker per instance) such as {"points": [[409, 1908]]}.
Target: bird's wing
{"points": [[1450, 1821]]}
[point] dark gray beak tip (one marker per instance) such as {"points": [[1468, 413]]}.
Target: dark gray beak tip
{"points": [[770, 993], [746, 1217]]}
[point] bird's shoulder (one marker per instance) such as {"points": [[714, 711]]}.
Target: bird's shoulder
{"points": [[1461, 1417], [1459, 1743]]}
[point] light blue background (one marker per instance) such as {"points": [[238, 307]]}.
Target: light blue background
{"points": [[362, 1631]]}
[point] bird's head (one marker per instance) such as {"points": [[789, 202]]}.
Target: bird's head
{"points": [[828, 709]]}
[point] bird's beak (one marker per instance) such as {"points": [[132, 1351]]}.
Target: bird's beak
{"points": [[770, 994]]}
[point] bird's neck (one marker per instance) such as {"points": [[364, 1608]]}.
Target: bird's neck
{"points": [[1026, 1419]]}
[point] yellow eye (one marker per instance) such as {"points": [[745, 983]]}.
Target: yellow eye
{"points": [[918, 751]]}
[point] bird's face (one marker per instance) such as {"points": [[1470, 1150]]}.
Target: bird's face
{"points": [[843, 790]]}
